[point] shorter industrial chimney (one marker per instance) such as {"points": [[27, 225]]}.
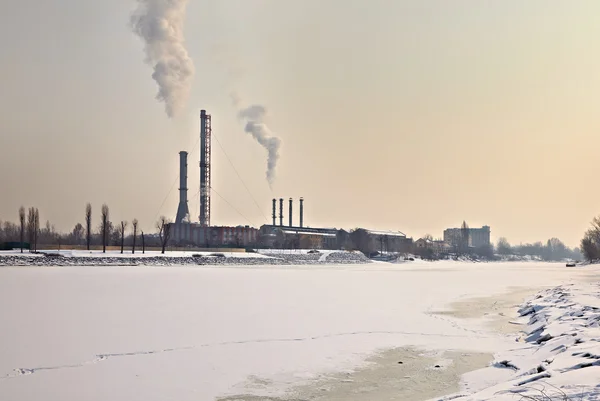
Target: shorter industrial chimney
{"points": [[182, 210], [274, 211], [281, 212], [291, 204], [301, 212]]}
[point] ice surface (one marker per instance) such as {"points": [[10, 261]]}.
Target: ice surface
{"points": [[180, 333]]}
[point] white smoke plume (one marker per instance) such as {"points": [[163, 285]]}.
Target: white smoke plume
{"points": [[254, 116], [160, 25]]}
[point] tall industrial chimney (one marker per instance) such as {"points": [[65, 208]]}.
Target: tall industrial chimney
{"points": [[274, 211], [281, 211], [291, 204], [182, 211], [301, 212], [205, 156]]}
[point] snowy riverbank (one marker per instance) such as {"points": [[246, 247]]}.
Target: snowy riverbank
{"points": [[115, 258], [556, 358]]}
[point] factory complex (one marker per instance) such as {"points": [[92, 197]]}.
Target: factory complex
{"points": [[203, 234]]}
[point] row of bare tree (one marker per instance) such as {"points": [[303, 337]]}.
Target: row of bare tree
{"points": [[29, 225], [106, 226], [553, 250], [28, 231]]}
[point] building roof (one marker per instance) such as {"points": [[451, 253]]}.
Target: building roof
{"points": [[198, 225], [435, 241], [301, 230], [483, 228], [291, 230], [388, 233]]}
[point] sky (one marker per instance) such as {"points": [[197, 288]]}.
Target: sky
{"points": [[408, 115]]}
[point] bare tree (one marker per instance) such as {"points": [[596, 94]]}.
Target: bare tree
{"points": [[47, 235], [10, 232], [88, 225], [36, 229], [590, 244], [31, 227], [77, 234], [134, 223], [503, 247], [22, 221], [123, 226], [114, 234], [556, 250], [589, 247], [164, 232], [104, 226]]}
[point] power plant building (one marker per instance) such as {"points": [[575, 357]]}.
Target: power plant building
{"points": [[298, 237], [186, 233], [295, 236], [202, 234]]}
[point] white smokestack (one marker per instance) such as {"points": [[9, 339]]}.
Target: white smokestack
{"points": [[160, 24], [254, 117]]}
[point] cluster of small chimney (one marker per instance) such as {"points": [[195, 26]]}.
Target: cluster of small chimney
{"points": [[291, 214]]}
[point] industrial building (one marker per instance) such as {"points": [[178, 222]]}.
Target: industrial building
{"points": [[295, 237], [194, 234], [371, 241]]}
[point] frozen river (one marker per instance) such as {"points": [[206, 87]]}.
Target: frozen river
{"points": [[181, 333]]}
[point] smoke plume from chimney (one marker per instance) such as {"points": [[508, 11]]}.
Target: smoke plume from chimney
{"points": [[254, 117], [160, 25]]}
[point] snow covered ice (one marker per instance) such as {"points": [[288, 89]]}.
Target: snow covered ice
{"points": [[200, 333]]}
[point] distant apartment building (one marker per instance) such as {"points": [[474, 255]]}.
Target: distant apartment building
{"points": [[478, 237]]}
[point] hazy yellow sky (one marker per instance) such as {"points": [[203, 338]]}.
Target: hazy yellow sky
{"points": [[404, 115]]}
